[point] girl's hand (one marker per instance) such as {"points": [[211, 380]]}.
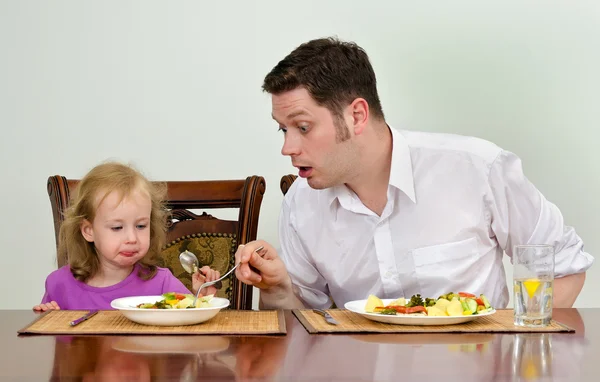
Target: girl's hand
{"points": [[52, 305], [205, 274]]}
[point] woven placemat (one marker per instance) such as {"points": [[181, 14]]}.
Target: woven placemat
{"points": [[113, 322], [350, 322]]}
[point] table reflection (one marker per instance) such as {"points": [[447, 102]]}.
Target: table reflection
{"points": [[302, 356], [94, 359], [531, 357], [546, 356], [450, 356], [181, 358], [260, 357]]}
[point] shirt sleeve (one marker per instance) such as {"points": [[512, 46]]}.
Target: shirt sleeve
{"points": [[309, 285], [173, 284], [47, 297], [521, 215]]}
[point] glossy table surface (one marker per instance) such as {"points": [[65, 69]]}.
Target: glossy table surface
{"points": [[300, 356]]}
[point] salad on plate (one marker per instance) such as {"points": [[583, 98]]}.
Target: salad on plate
{"points": [[450, 304], [174, 300]]}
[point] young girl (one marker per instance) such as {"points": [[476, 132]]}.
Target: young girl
{"points": [[112, 236]]}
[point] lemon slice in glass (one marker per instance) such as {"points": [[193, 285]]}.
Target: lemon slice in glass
{"points": [[531, 286]]}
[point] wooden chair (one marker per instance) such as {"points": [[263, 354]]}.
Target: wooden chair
{"points": [[213, 240], [286, 182]]}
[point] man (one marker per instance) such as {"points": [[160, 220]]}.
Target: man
{"points": [[386, 212]]}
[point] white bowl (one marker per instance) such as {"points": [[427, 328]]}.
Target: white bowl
{"points": [[166, 317]]}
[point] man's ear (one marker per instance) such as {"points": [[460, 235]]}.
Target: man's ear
{"points": [[359, 109], [87, 230]]}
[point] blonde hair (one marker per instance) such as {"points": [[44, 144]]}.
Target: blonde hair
{"points": [[102, 180]]}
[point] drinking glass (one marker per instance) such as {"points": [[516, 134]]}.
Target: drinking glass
{"points": [[533, 281]]}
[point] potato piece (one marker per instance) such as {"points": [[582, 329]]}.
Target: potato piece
{"points": [[442, 304], [455, 308], [398, 302], [372, 303], [435, 311]]}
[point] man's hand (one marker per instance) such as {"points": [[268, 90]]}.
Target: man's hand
{"points": [[263, 269], [52, 305]]}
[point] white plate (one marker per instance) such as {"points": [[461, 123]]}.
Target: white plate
{"points": [[166, 317], [359, 307]]}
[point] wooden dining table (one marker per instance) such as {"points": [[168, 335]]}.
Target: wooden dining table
{"points": [[300, 356]]}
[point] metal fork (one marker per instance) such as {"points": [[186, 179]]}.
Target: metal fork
{"points": [[207, 284]]}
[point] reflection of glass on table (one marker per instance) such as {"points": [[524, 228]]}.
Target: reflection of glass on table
{"points": [[531, 357], [533, 277]]}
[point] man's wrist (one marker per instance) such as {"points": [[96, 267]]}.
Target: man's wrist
{"points": [[279, 291], [283, 296]]}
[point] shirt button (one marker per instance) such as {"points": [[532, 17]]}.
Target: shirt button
{"points": [[388, 274]]}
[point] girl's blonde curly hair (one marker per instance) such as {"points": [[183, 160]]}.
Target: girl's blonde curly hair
{"points": [[102, 180]]}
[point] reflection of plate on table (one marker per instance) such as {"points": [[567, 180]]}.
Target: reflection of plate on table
{"points": [[358, 307], [171, 344], [426, 338]]}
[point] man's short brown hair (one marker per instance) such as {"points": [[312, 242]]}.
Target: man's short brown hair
{"points": [[333, 72]]}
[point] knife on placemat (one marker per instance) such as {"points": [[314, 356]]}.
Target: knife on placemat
{"points": [[327, 316], [85, 317]]}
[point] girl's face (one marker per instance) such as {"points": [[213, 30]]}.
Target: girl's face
{"points": [[120, 230]]}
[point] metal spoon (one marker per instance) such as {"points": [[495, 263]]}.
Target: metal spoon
{"points": [[219, 280], [189, 262]]}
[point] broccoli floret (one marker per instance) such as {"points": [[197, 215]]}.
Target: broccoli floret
{"points": [[429, 302], [448, 296], [416, 300]]}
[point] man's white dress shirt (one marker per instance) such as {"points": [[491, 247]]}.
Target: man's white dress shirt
{"points": [[455, 205]]}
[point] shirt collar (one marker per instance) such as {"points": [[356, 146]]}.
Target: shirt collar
{"points": [[401, 171]]}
